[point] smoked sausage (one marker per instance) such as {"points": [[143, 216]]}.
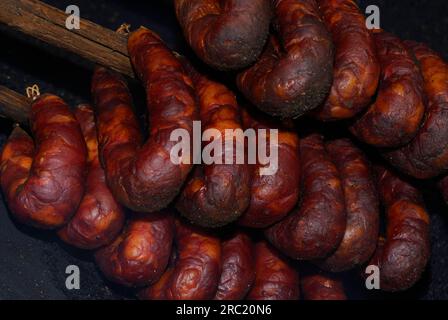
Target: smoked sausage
{"points": [[322, 286]]}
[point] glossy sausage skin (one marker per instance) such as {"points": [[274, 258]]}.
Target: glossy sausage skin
{"points": [[142, 176], [362, 207], [196, 271], [217, 194], [403, 255], [316, 228], [140, 254], [395, 116], [225, 34], [356, 70], [294, 73], [322, 286], [43, 181], [426, 156], [275, 277], [237, 267], [273, 196], [99, 217]]}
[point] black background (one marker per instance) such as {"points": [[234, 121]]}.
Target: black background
{"points": [[32, 263]]}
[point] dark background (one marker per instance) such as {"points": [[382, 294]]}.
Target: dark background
{"points": [[32, 263]]}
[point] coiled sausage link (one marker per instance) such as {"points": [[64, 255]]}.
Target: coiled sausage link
{"points": [[43, 181], [356, 69], [217, 194], [99, 218], [316, 228], [227, 34], [143, 177], [322, 286], [295, 77], [426, 156], [395, 116]]}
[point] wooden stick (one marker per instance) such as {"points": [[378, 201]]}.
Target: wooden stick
{"points": [[91, 41], [14, 105]]}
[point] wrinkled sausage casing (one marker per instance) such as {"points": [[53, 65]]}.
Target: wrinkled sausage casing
{"points": [[140, 254], [426, 156], [316, 228], [362, 207], [275, 277], [402, 256], [43, 181], [227, 34], [356, 69], [99, 217], [395, 116], [322, 286], [194, 275], [237, 267], [273, 196], [217, 194], [294, 73], [143, 177]]}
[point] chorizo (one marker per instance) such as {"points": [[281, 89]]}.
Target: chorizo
{"points": [[316, 228], [275, 276], [227, 34], [99, 218], [43, 180], [395, 116], [362, 207], [356, 67], [273, 196], [322, 286], [403, 254], [217, 193], [140, 254], [295, 76], [237, 267], [426, 156], [143, 177], [196, 271]]}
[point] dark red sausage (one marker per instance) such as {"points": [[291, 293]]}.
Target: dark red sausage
{"points": [[138, 256], [43, 181], [237, 267], [217, 194], [143, 177], [273, 196], [294, 73], [362, 207], [395, 116], [322, 286], [225, 34], [315, 229], [99, 217], [356, 70], [426, 155], [275, 277]]}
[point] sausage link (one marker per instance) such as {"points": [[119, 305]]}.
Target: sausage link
{"points": [[315, 229], [273, 196], [143, 177], [227, 34], [275, 277], [140, 254], [395, 116], [43, 181], [356, 70], [322, 286], [99, 218], [217, 194], [403, 255], [196, 271], [426, 156], [237, 267], [362, 207], [293, 78]]}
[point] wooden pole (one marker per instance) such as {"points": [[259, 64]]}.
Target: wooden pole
{"points": [[14, 106]]}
